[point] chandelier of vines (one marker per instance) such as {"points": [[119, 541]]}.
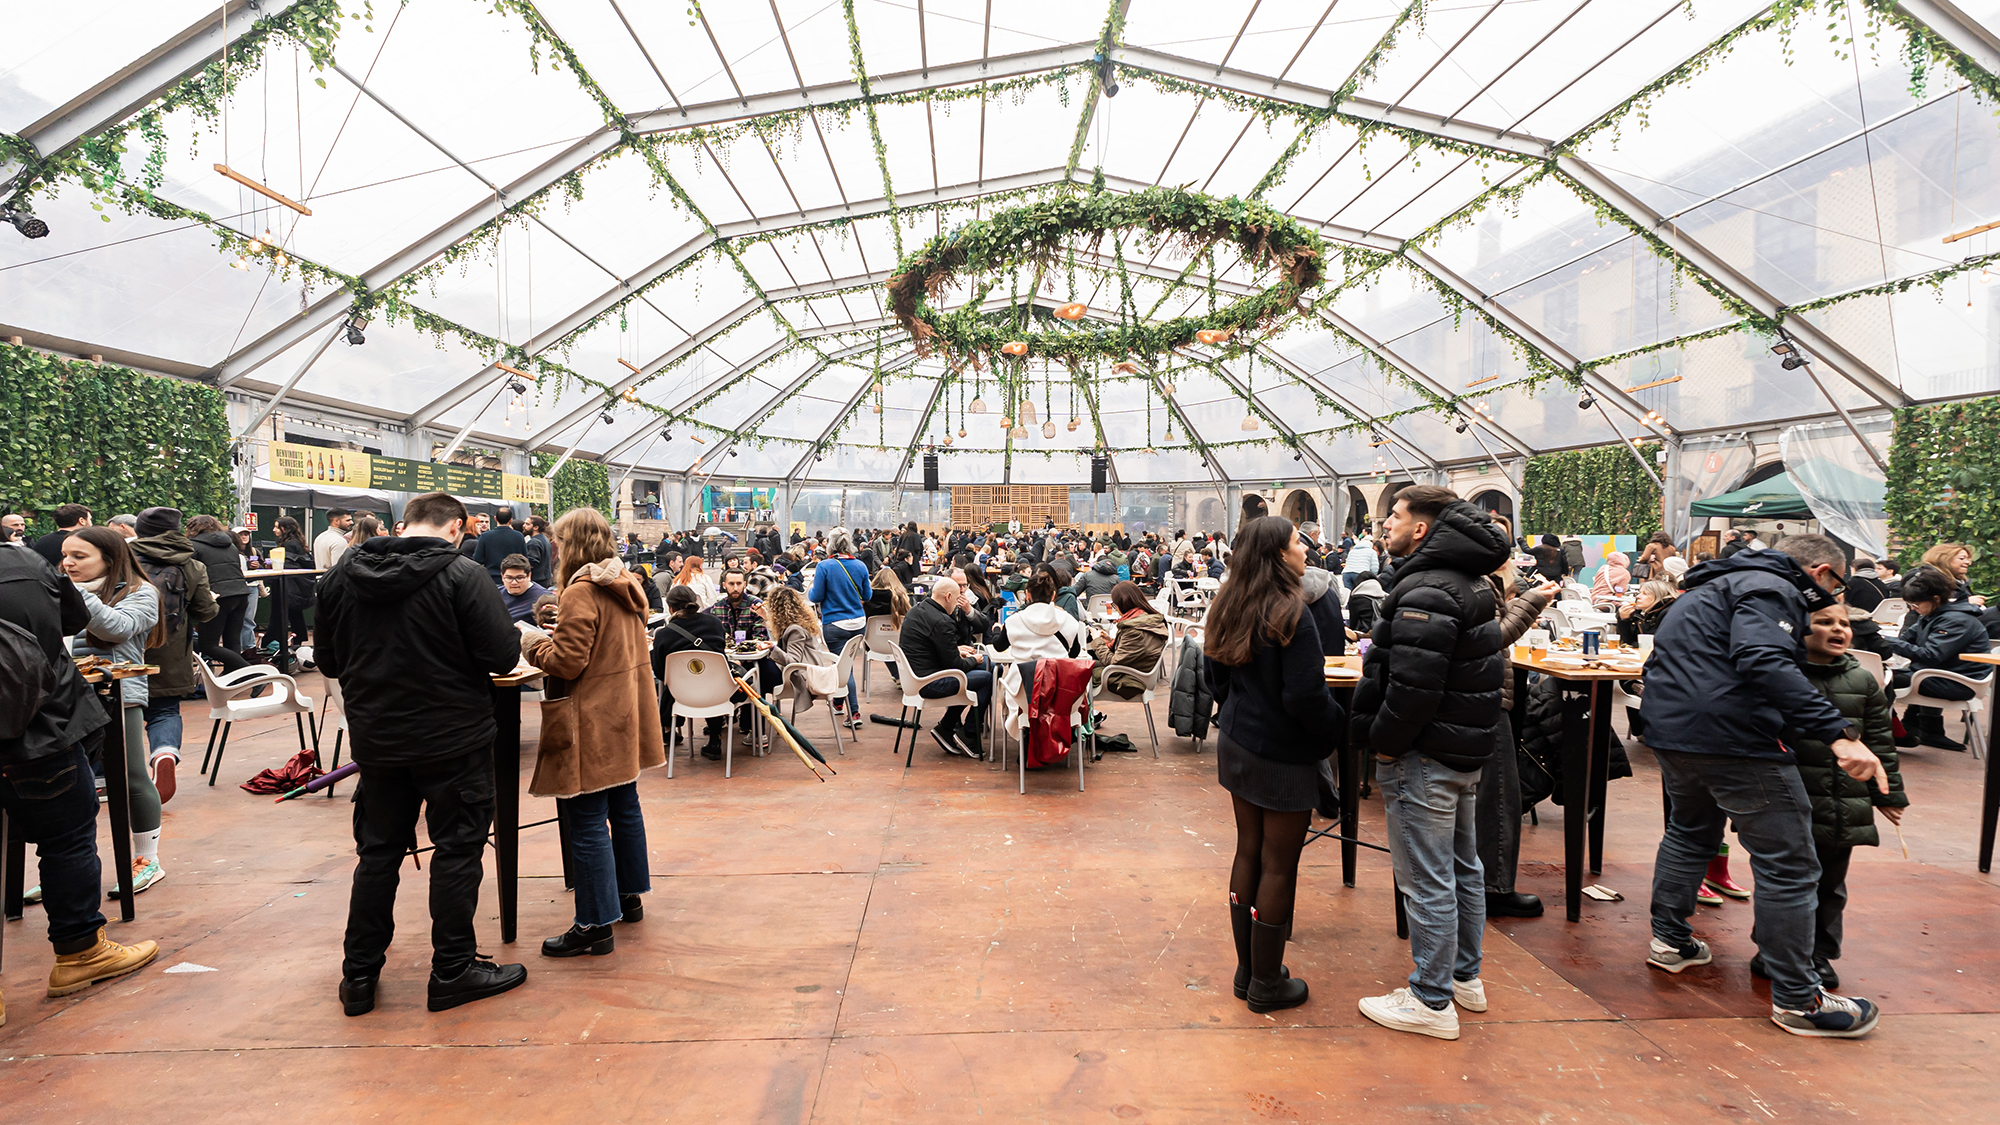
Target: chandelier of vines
{"points": [[1039, 239]]}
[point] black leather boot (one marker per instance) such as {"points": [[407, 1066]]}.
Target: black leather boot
{"points": [[1271, 988], [1239, 925], [1512, 904], [632, 907], [357, 995], [579, 940], [478, 980]]}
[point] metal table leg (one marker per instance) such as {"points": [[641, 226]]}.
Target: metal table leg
{"points": [[118, 793], [507, 805]]}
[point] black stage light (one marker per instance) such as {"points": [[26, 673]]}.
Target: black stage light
{"points": [[1794, 362], [606, 417], [28, 225], [732, 453], [517, 387], [1462, 426], [668, 434], [352, 329], [1586, 402]]}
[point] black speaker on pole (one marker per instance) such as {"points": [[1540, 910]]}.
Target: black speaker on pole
{"points": [[1100, 468], [930, 472]]}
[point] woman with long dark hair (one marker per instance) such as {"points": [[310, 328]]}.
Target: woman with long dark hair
{"points": [[1265, 667]]}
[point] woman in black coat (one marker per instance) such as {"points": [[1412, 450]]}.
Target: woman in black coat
{"points": [[216, 638], [1265, 666]]}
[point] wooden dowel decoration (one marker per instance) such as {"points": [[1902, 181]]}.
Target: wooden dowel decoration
{"points": [[260, 189], [512, 370], [1476, 382], [1654, 383], [1981, 229], [628, 365]]}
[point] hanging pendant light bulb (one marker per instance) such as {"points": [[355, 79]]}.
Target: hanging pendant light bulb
{"points": [[1028, 412], [878, 407], [1006, 423], [1018, 433], [978, 405], [1072, 311], [1049, 428], [1073, 423], [878, 387], [1169, 438], [947, 441], [1249, 421], [1015, 347], [961, 429], [241, 263], [1167, 386], [256, 246]]}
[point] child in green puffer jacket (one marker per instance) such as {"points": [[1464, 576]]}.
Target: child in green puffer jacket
{"points": [[1843, 809]]}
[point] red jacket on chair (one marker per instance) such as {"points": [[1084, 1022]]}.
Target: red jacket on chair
{"points": [[1058, 686]]}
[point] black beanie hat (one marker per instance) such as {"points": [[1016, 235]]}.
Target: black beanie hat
{"points": [[158, 521]]}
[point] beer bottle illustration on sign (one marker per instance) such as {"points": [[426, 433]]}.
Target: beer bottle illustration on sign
{"points": [[343, 468]]}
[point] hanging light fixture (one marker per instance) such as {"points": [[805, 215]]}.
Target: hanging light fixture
{"points": [[978, 405], [1073, 423], [878, 406], [1015, 347], [1124, 367], [1214, 335], [1049, 428], [1072, 311], [1250, 421], [1169, 436], [1167, 386], [1027, 412], [1018, 433]]}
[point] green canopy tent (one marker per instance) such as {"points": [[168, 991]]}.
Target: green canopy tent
{"points": [[1778, 498]]}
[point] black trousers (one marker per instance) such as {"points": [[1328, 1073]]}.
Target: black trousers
{"points": [[1496, 818], [216, 638], [1833, 862], [456, 798]]}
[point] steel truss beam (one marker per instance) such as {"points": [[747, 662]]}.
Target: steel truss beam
{"points": [[137, 86], [1382, 351], [1965, 34], [1291, 435], [899, 362]]}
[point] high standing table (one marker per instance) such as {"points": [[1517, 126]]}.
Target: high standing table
{"points": [[1343, 675], [1586, 763], [507, 792], [281, 612], [1989, 799]]}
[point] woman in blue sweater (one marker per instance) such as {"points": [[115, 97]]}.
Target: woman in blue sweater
{"points": [[839, 588], [1265, 666]]}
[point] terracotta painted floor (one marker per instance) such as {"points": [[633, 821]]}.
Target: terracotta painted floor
{"points": [[932, 946]]}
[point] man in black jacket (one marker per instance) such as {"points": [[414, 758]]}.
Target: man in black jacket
{"points": [[45, 772], [930, 639], [496, 544], [1428, 703], [413, 631], [69, 518], [1723, 686]]}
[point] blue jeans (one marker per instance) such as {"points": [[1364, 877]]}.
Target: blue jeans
{"points": [[249, 639], [1773, 819], [163, 725], [53, 803], [607, 848], [1434, 844], [836, 638]]}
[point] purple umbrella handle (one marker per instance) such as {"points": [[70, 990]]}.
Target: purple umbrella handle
{"points": [[320, 782]]}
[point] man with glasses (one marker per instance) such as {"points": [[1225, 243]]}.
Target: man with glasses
{"points": [[518, 587], [1723, 686]]}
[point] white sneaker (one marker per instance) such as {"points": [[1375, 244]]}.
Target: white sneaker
{"points": [[1469, 994], [1400, 1011]]}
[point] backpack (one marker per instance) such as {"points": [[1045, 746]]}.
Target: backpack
{"points": [[171, 580], [26, 679]]}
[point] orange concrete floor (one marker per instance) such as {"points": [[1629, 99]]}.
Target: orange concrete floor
{"points": [[932, 946]]}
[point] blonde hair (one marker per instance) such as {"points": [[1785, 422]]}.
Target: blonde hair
{"points": [[899, 598], [787, 607], [1937, 556], [583, 536]]}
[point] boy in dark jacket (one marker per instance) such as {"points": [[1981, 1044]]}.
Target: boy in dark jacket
{"points": [[1723, 685], [413, 630], [1843, 809], [1428, 704]]}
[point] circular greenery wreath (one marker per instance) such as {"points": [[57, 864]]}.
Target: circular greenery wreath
{"points": [[1035, 235]]}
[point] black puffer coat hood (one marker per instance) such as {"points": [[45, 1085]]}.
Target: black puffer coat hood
{"points": [[1432, 679]]}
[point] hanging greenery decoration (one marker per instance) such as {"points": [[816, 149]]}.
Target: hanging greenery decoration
{"points": [[1600, 491], [1035, 234], [1944, 484]]}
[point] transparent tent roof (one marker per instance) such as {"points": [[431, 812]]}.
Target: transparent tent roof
{"points": [[682, 219]]}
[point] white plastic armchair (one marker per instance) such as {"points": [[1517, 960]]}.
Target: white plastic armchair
{"points": [[701, 684], [792, 680], [1149, 682], [1980, 703], [912, 686], [230, 702]]}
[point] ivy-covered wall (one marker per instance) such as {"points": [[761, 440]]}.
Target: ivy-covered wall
{"points": [[1944, 466], [110, 438], [1599, 491], [580, 484]]}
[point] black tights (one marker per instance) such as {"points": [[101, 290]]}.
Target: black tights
{"points": [[1266, 872]]}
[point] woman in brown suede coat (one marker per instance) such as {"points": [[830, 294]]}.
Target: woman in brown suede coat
{"points": [[601, 688]]}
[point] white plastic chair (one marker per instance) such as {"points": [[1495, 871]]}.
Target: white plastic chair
{"points": [[1891, 612], [912, 686], [1980, 703], [880, 634], [1559, 619], [1093, 610], [1150, 681], [790, 686], [1873, 662], [701, 684], [1079, 757], [229, 702]]}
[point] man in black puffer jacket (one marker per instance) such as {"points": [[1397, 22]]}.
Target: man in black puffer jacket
{"points": [[413, 629], [1723, 686], [1428, 704]]}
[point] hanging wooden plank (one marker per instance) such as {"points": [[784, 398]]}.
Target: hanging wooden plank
{"points": [[260, 189]]}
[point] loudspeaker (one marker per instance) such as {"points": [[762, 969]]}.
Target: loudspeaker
{"points": [[1100, 468], [930, 472]]}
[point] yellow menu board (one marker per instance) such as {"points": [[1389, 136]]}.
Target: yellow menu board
{"points": [[524, 490], [344, 468], [311, 464]]}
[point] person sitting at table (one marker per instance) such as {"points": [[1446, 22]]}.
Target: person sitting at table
{"points": [[692, 576], [1098, 580], [415, 631], [518, 590], [1142, 637], [790, 618], [740, 613], [687, 627], [929, 638], [1945, 626], [1649, 608], [888, 598], [1613, 579], [1038, 629], [597, 658]]}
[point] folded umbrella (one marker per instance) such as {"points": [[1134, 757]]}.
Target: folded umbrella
{"points": [[798, 743]]}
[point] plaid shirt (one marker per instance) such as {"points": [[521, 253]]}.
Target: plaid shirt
{"points": [[745, 615]]}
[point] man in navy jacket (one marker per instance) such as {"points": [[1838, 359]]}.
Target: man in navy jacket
{"points": [[1722, 688]]}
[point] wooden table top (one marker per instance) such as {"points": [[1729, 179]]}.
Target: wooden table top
{"points": [[518, 677], [101, 673], [1343, 670], [1981, 657], [1537, 661]]}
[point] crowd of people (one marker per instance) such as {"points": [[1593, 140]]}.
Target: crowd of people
{"points": [[1752, 690]]}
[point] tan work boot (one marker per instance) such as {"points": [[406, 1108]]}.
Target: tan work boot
{"points": [[75, 972]]}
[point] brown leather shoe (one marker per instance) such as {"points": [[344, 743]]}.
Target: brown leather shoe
{"points": [[75, 972]]}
